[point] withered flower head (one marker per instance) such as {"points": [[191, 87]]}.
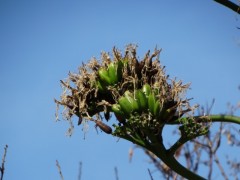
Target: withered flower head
{"points": [[137, 92]]}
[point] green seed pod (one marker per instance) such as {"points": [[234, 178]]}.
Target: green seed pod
{"points": [[125, 105], [151, 103], [104, 76], [101, 86], [112, 73], [146, 89], [119, 70], [116, 108], [132, 101], [141, 100], [157, 109]]}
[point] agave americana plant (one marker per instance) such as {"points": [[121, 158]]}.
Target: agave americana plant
{"points": [[142, 98]]}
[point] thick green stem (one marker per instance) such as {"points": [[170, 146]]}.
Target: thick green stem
{"points": [[177, 145], [160, 151], [225, 118], [167, 156], [182, 140], [155, 145], [212, 118]]}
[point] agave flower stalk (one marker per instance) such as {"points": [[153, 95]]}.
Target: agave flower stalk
{"points": [[140, 95]]}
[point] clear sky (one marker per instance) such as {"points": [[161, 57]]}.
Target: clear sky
{"points": [[41, 41]]}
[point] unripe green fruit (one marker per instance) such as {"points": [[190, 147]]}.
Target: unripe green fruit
{"points": [[156, 111], [116, 108], [112, 73], [151, 103], [141, 100], [132, 101], [119, 70], [125, 105], [101, 86], [104, 76], [146, 89]]}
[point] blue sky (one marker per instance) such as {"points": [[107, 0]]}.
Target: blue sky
{"points": [[41, 41]]}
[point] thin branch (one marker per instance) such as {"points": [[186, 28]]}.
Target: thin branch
{"points": [[220, 167], [230, 5], [80, 171], [198, 157], [2, 168], [59, 169], [187, 155], [218, 140], [150, 174], [116, 173], [210, 152]]}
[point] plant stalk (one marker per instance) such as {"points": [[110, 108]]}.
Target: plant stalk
{"points": [[209, 118]]}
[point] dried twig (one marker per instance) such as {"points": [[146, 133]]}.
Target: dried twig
{"points": [[150, 174], [80, 171], [235, 166], [116, 173], [2, 168], [220, 167], [59, 169], [130, 154]]}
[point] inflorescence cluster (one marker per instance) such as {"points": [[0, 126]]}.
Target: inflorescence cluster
{"points": [[139, 94]]}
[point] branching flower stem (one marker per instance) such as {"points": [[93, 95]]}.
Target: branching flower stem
{"points": [[171, 151], [155, 145], [160, 151], [167, 156], [181, 141]]}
